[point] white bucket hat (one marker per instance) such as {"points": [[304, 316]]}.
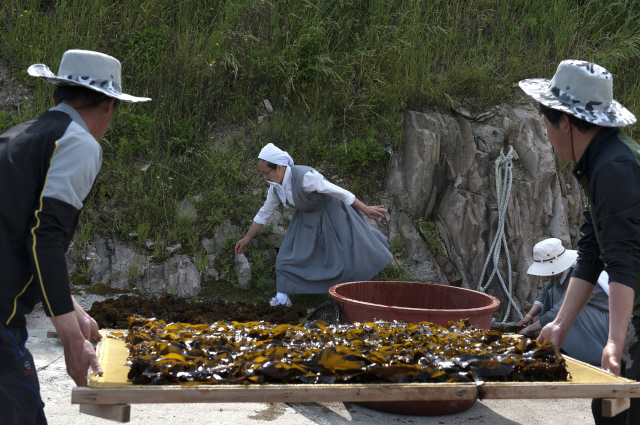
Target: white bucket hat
{"points": [[89, 69], [582, 89], [550, 257]]}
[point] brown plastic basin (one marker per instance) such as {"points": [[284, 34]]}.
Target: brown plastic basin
{"points": [[413, 302]]}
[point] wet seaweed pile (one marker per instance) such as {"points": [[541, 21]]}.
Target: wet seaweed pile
{"points": [[380, 352], [114, 313]]}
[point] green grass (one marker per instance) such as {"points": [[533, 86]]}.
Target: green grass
{"points": [[432, 235], [339, 73]]}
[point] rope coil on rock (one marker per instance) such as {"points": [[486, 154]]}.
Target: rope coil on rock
{"points": [[504, 179]]}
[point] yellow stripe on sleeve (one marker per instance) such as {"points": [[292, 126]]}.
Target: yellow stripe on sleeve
{"points": [[15, 300], [33, 233]]}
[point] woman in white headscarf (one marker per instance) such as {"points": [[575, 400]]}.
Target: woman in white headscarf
{"points": [[328, 241]]}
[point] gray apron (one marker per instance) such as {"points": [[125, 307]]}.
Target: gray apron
{"points": [[328, 242]]}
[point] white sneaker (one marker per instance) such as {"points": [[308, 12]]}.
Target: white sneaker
{"points": [[275, 302]]}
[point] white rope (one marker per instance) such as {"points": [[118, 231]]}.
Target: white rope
{"points": [[504, 179]]}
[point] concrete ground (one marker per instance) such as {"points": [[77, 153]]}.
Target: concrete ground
{"points": [[56, 392]]}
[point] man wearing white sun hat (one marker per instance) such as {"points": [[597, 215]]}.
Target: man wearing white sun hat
{"points": [[47, 168], [582, 121], [588, 335]]}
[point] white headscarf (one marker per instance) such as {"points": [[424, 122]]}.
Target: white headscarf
{"points": [[275, 155]]}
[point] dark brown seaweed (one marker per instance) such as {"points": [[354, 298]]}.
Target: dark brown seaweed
{"points": [[261, 352], [114, 313]]}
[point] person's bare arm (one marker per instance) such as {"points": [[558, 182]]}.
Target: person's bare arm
{"points": [[575, 299], [242, 243], [373, 212], [79, 354], [620, 308]]}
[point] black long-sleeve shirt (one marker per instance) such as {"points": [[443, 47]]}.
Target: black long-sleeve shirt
{"points": [[609, 172], [47, 170]]}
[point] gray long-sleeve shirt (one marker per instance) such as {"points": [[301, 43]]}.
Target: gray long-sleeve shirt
{"points": [[556, 289]]}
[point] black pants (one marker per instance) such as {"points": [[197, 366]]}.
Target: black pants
{"points": [[20, 402], [630, 370]]}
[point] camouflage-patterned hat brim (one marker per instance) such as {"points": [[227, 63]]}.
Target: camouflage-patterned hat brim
{"points": [[85, 68], [582, 89]]}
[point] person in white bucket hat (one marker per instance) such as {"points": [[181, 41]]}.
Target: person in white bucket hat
{"points": [[583, 124], [48, 167], [588, 335]]}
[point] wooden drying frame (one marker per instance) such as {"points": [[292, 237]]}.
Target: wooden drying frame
{"points": [[110, 396]]}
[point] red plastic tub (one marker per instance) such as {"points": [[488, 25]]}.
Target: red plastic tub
{"points": [[414, 302]]}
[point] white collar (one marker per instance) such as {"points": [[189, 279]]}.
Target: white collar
{"points": [[286, 180], [282, 188]]}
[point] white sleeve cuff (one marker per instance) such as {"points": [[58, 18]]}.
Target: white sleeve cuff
{"points": [[267, 209]]}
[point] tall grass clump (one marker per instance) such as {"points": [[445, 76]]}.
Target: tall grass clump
{"points": [[339, 74]]}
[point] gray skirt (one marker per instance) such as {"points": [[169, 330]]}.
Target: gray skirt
{"points": [[327, 246]]}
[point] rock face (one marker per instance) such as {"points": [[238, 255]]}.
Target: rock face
{"points": [[120, 266], [243, 271], [446, 172], [442, 219], [178, 275]]}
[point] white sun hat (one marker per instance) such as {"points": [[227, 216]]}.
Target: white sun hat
{"points": [[582, 89], [89, 69], [550, 257]]}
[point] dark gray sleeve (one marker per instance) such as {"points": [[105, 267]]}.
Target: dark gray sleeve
{"points": [[543, 294], [617, 213], [589, 265], [551, 314]]}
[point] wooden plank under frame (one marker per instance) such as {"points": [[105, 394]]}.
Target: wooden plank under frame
{"points": [[301, 393], [589, 382], [113, 412]]}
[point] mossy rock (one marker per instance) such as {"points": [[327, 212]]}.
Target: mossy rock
{"points": [[80, 279]]}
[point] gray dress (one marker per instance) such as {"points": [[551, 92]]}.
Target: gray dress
{"points": [[588, 335], [328, 242]]}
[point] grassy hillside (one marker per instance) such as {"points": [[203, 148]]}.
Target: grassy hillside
{"points": [[339, 74]]}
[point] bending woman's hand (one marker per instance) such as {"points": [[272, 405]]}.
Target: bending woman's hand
{"points": [[255, 227], [241, 244], [374, 212]]}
